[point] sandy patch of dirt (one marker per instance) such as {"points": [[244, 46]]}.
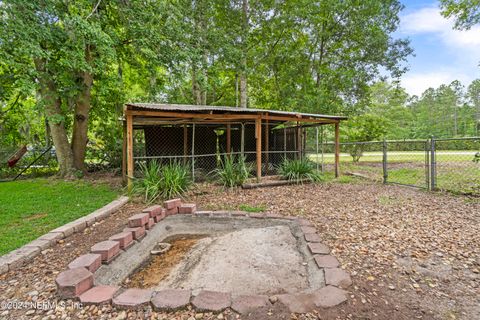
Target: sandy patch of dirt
{"points": [[159, 266]]}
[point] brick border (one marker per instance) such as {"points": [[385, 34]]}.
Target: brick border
{"points": [[19, 257], [332, 294]]}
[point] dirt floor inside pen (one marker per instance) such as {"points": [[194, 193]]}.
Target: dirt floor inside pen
{"points": [[411, 254]]}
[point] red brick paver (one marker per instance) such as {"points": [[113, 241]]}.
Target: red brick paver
{"points": [[153, 211], [73, 282], [312, 237], [132, 298], [318, 248], [326, 261], [172, 204], [246, 303], [125, 239], [187, 208], [171, 299], [98, 295], [90, 261], [138, 220], [211, 301], [107, 249], [137, 233], [337, 277], [330, 296]]}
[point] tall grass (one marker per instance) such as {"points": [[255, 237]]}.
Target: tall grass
{"points": [[162, 181], [233, 171], [299, 170]]}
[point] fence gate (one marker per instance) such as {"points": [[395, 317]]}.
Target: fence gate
{"points": [[407, 162], [434, 164]]}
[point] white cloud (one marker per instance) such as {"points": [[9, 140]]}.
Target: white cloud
{"points": [[463, 46], [417, 83], [429, 20], [423, 20]]}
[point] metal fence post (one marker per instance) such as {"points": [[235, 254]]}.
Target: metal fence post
{"points": [[433, 165], [193, 152], [323, 151], [384, 160], [316, 146]]}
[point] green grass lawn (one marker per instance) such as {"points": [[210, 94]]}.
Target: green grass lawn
{"points": [[31, 208], [456, 172], [398, 156]]}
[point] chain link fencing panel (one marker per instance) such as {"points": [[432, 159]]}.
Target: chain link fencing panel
{"points": [[357, 158], [35, 162], [457, 165], [407, 162]]}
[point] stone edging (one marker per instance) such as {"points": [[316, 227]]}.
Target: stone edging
{"points": [[19, 257], [78, 281]]}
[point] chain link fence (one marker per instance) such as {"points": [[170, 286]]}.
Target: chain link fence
{"points": [[37, 161], [204, 147], [27, 161], [456, 166], [435, 164]]}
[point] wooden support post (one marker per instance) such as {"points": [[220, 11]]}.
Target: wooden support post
{"points": [[266, 147], [242, 141], [185, 143], [229, 138], [337, 150], [258, 137], [299, 141], [124, 154], [129, 151]]}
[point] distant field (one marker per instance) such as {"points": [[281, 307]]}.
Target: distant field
{"points": [[456, 171]]}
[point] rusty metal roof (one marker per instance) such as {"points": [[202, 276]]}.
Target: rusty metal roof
{"points": [[203, 108]]}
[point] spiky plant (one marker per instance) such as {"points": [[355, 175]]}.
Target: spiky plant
{"points": [[299, 170]]}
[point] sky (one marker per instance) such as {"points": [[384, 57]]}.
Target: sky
{"points": [[441, 54]]}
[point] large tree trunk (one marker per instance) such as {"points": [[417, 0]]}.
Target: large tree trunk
{"points": [[203, 95], [196, 86], [80, 121], [243, 63], [56, 120], [199, 63]]}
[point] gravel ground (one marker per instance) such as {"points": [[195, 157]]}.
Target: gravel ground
{"points": [[412, 254]]}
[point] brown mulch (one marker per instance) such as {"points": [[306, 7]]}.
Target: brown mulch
{"points": [[412, 254]]}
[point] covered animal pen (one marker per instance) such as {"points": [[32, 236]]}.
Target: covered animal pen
{"points": [[200, 136]]}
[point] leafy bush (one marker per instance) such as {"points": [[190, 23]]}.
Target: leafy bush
{"points": [[162, 181], [298, 170], [233, 172]]}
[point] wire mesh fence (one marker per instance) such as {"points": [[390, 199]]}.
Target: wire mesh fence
{"points": [[204, 147], [456, 165], [436, 164], [27, 161]]}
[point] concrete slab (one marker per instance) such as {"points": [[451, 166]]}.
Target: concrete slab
{"points": [[248, 261], [284, 250]]}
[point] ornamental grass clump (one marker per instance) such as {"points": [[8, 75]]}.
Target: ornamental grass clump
{"points": [[299, 171], [233, 171], [162, 181]]}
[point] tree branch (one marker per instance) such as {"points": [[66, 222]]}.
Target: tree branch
{"points": [[94, 9]]}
